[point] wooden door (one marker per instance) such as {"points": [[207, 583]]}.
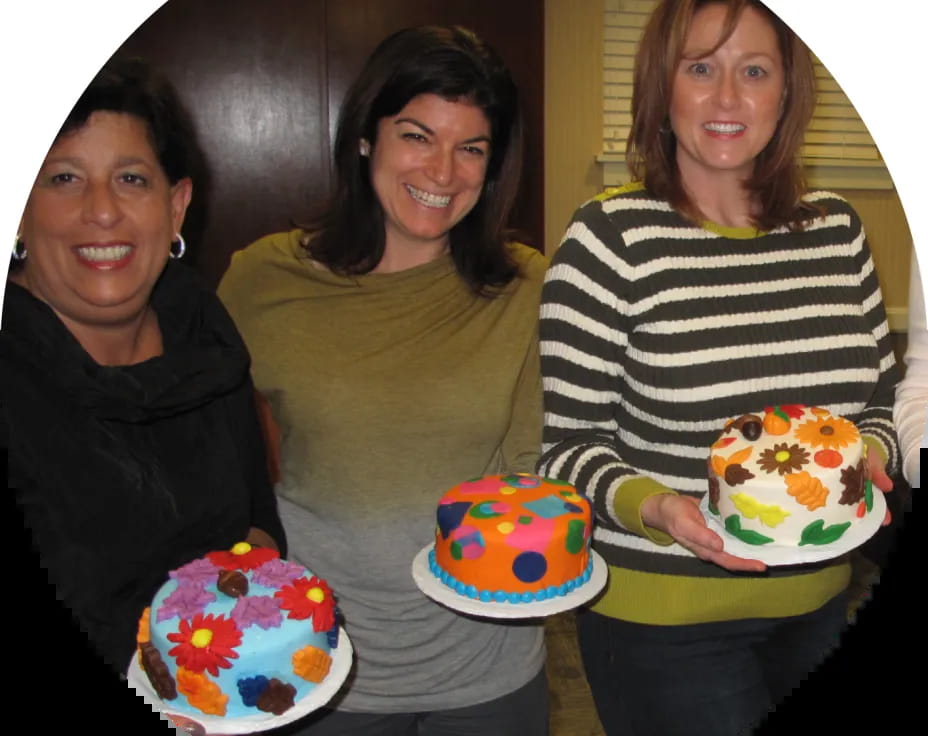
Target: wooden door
{"points": [[264, 82]]}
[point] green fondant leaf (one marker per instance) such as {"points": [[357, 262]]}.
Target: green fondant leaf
{"points": [[780, 413], [868, 495], [818, 533], [575, 536], [733, 527], [713, 508]]}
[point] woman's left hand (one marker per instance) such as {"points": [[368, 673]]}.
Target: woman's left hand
{"points": [[876, 472]]}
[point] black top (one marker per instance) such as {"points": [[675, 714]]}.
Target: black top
{"points": [[125, 473]]}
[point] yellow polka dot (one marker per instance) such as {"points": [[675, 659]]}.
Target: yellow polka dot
{"points": [[505, 527], [507, 491]]}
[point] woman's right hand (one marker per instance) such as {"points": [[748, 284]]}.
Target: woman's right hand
{"points": [[680, 517]]}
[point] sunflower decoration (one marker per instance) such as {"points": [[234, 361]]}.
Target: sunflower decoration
{"points": [[783, 458], [832, 433], [205, 643], [853, 480]]}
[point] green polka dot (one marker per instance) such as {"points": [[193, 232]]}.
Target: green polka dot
{"points": [[575, 536], [525, 519], [456, 550]]}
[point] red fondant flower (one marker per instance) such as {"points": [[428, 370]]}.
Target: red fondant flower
{"points": [[206, 643], [242, 556], [305, 598]]}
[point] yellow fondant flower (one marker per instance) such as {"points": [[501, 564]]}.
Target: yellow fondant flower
{"points": [[750, 507], [806, 490], [201, 692], [830, 432]]}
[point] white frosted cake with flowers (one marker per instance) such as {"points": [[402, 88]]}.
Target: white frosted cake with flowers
{"points": [[791, 475]]}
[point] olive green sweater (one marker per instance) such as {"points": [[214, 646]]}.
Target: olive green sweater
{"points": [[388, 389]]}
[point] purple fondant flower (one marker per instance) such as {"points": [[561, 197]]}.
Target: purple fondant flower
{"points": [[186, 602], [200, 572], [276, 573], [262, 610]]}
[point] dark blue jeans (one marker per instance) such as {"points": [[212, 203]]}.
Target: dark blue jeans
{"points": [[713, 679], [523, 712]]}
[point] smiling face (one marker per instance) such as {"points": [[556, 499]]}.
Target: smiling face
{"points": [[99, 222], [725, 105], [427, 168]]}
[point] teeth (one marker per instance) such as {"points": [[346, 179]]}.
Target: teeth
{"points": [[429, 200], [724, 127], [102, 254]]}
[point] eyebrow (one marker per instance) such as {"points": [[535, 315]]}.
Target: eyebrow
{"points": [[427, 129]]}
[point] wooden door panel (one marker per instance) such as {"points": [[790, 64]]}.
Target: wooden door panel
{"points": [[264, 82]]}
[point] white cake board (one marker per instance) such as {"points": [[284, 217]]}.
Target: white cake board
{"points": [[438, 591], [776, 555], [342, 657]]}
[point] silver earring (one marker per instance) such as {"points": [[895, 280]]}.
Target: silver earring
{"points": [[19, 248], [181, 247], [364, 148]]}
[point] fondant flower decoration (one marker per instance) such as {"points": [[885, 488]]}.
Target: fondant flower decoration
{"points": [[853, 480], [783, 458], [199, 572], [305, 598], [144, 631], [257, 610], [185, 602], [201, 692], [242, 556], [311, 663], [276, 573], [806, 490], [830, 432], [277, 697], [206, 643]]}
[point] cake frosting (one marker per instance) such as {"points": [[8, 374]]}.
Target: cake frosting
{"points": [[238, 632], [790, 475], [512, 539]]}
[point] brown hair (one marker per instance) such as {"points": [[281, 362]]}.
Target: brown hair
{"points": [[777, 180]]}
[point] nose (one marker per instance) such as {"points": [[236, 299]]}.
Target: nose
{"points": [[440, 167], [101, 205], [726, 91]]}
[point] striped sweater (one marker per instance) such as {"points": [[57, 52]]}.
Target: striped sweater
{"points": [[654, 332]]}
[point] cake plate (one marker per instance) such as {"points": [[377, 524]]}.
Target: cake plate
{"points": [[438, 591], [776, 555], [342, 657]]}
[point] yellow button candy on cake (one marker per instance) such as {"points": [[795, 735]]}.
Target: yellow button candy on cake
{"points": [[791, 475], [512, 539]]}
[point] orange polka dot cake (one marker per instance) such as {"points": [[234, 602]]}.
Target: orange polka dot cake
{"points": [[792, 475], [236, 633], [512, 539]]}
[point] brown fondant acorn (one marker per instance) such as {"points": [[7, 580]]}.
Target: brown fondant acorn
{"points": [[233, 583], [750, 426]]}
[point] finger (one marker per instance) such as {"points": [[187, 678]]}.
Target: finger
{"points": [[737, 564], [888, 519]]}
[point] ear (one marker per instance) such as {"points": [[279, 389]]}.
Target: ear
{"points": [[180, 199]]}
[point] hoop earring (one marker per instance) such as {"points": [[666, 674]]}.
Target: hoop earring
{"points": [[19, 248], [181, 247], [364, 148]]}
